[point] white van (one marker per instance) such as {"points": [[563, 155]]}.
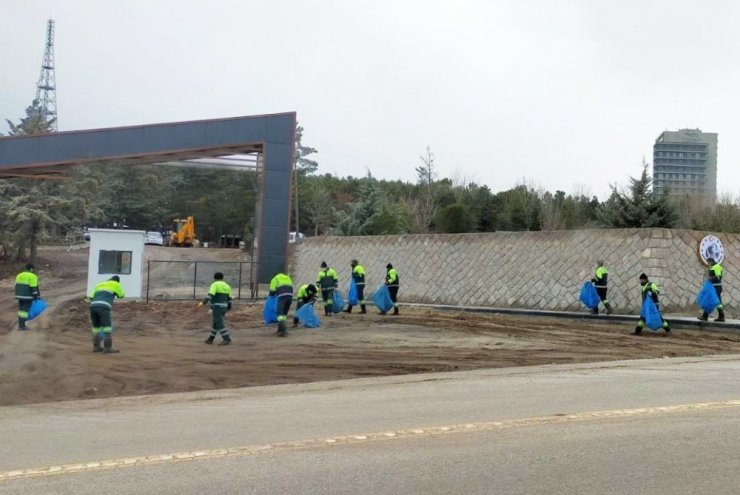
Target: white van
{"points": [[294, 237]]}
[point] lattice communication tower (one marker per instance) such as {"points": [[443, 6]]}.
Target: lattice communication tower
{"points": [[46, 88]]}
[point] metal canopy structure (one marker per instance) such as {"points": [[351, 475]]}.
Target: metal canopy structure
{"points": [[268, 139]]}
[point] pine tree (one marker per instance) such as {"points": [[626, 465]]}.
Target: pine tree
{"points": [[640, 208], [32, 209], [35, 122], [371, 214]]}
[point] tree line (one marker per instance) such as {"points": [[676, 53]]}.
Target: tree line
{"points": [[223, 202], [331, 205]]}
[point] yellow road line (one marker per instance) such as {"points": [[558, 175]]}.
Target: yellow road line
{"points": [[358, 438]]}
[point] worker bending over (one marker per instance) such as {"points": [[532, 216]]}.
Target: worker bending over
{"points": [[281, 287]]}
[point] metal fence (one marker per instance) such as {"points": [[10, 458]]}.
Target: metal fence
{"points": [[183, 280]]}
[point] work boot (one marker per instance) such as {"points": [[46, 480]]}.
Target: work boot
{"points": [[595, 311], [108, 342], [721, 316], [326, 310], [704, 316], [209, 340], [96, 344], [225, 342], [608, 307], [22, 324], [349, 309], [363, 310], [395, 310], [281, 331], [638, 331], [667, 332]]}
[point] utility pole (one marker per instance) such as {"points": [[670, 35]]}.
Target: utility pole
{"points": [[46, 88]]}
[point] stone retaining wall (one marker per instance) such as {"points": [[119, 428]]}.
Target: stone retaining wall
{"points": [[538, 270]]}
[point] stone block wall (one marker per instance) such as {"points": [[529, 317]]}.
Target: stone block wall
{"points": [[537, 270]]}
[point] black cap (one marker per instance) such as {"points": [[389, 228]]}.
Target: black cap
{"points": [[323, 264], [116, 278], [389, 266], [311, 288], [218, 276], [643, 276]]}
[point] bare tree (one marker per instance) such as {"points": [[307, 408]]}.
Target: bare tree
{"points": [[726, 214], [552, 215], [315, 204], [694, 212], [423, 208]]}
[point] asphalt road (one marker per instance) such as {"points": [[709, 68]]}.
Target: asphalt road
{"points": [[658, 426]]}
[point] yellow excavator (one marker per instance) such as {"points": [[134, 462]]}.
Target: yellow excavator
{"points": [[183, 232]]}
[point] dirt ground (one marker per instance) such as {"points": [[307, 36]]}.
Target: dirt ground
{"points": [[162, 347]]}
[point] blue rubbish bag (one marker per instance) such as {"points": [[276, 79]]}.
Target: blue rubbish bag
{"points": [[382, 299], [269, 313], [707, 297], [352, 299], [38, 306], [307, 316], [651, 314], [589, 296], [337, 302]]}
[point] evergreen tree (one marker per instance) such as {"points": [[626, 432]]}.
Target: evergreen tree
{"points": [[453, 219], [32, 209], [303, 164], [370, 214], [35, 122], [640, 208], [521, 209], [303, 168]]}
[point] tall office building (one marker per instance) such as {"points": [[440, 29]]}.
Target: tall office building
{"points": [[685, 163]]}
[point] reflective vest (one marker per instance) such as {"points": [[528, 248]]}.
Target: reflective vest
{"points": [[601, 276], [26, 286], [326, 279], [652, 289], [358, 275], [281, 285], [303, 293], [391, 278], [715, 274], [105, 292], [219, 293]]}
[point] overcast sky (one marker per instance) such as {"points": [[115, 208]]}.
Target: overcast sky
{"points": [[562, 94]]}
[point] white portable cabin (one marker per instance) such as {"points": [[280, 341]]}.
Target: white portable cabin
{"points": [[117, 252]]}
